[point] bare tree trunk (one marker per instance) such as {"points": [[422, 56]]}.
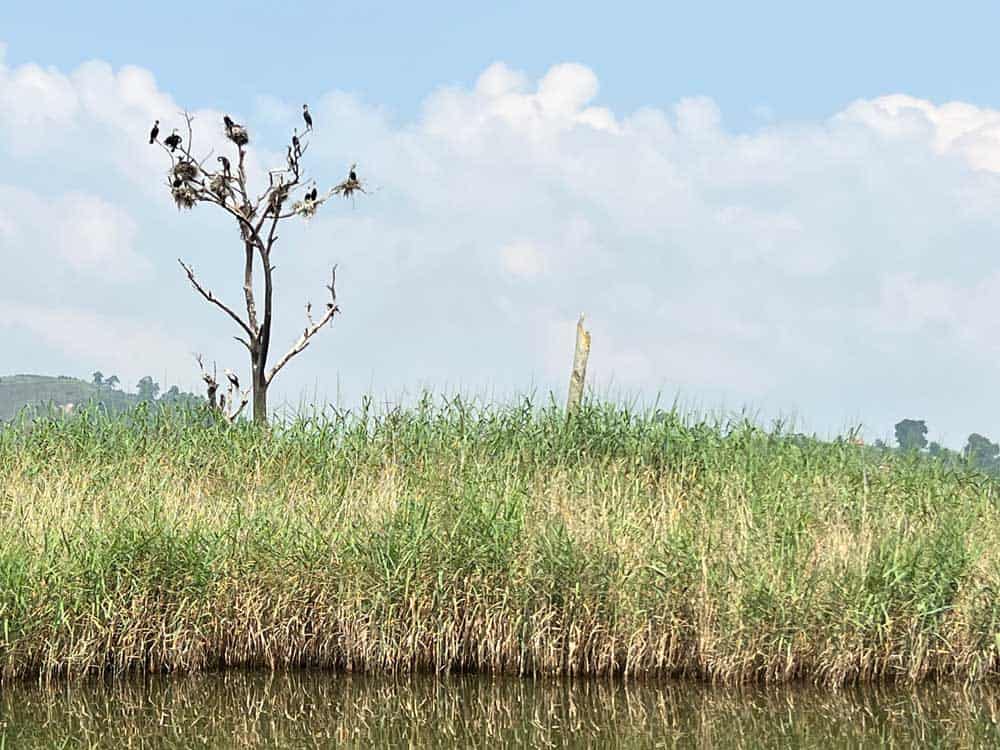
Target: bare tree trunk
{"points": [[259, 396], [579, 374]]}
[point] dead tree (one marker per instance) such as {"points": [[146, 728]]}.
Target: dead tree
{"points": [[579, 374], [192, 182], [229, 404]]}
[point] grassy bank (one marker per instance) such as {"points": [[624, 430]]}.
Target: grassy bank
{"points": [[452, 537]]}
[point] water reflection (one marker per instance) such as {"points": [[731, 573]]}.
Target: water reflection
{"points": [[304, 709]]}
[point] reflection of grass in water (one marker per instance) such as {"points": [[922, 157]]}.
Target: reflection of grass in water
{"points": [[506, 539], [306, 709]]}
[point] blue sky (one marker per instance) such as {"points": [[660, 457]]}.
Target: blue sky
{"points": [[783, 207], [802, 60]]}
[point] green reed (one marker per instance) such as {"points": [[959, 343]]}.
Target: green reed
{"points": [[455, 536]]}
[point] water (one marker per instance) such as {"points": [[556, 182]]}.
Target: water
{"points": [[310, 709]]}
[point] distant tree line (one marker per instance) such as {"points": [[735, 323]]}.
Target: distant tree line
{"points": [[979, 450], [911, 438], [148, 390], [100, 381]]}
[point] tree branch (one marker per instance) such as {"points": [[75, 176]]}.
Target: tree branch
{"points": [[222, 404], [252, 329], [310, 330], [210, 383], [208, 196], [207, 294], [230, 415]]}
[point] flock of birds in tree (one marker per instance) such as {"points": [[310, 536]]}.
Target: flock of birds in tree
{"points": [[174, 139], [238, 134]]}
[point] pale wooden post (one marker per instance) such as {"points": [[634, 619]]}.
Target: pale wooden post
{"points": [[579, 374]]}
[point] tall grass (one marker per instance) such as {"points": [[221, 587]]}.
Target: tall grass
{"points": [[453, 536]]}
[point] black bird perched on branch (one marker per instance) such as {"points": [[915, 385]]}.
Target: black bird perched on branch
{"points": [[232, 378], [154, 132], [311, 195], [235, 132], [295, 143], [173, 140], [225, 165], [307, 117], [353, 177]]}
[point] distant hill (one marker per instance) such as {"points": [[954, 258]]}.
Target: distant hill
{"points": [[19, 391]]}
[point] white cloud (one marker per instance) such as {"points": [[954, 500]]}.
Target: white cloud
{"points": [[91, 125], [566, 88], [57, 234], [127, 345], [94, 236], [955, 127], [522, 259], [766, 264], [499, 80], [966, 313], [697, 116]]}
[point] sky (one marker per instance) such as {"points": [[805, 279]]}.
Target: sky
{"points": [[786, 209]]}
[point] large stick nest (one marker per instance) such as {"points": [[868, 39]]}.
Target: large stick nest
{"points": [[183, 187], [218, 186], [352, 184], [185, 171], [307, 207], [184, 195]]}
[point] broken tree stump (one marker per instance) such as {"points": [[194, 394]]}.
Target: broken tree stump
{"points": [[579, 374]]}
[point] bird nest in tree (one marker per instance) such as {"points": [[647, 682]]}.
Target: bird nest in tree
{"points": [[218, 185], [348, 187], [185, 171], [182, 176], [184, 195], [238, 135], [306, 207]]}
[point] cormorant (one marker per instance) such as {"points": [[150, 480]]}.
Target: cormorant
{"points": [[235, 132], [173, 140], [353, 177], [295, 143], [232, 378], [311, 195], [154, 132], [225, 165], [307, 117]]}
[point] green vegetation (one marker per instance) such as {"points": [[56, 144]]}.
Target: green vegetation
{"points": [[43, 392], [20, 391], [455, 537], [979, 451], [910, 434]]}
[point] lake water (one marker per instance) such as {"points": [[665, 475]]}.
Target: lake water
{"points": [[316, 709]]}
